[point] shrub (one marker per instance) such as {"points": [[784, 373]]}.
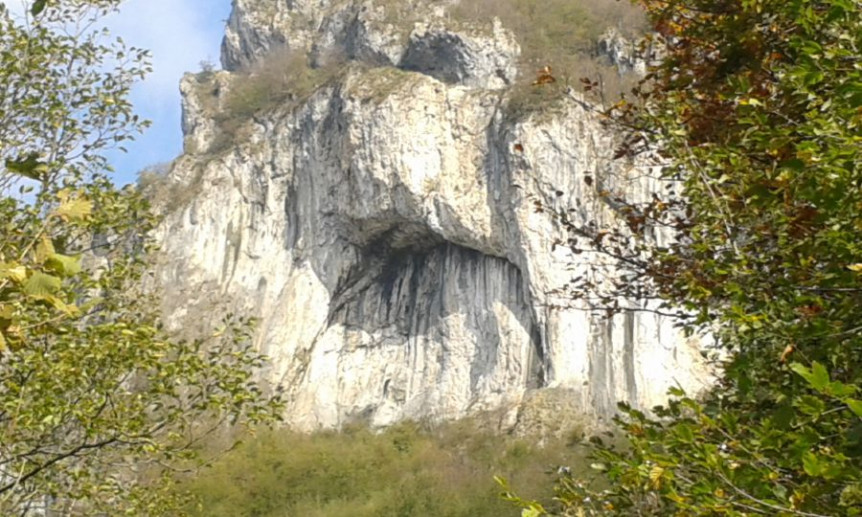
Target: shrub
{"points": [[282, 77], [153, 177], [409, 469], [167, 195], [561, 34]]}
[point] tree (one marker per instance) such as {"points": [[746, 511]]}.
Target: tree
{"points": [[754, 115], [98, 403]]}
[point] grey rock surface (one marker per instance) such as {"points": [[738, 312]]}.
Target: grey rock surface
{"points": [[384, 230], [408, 34], [625, 54], [482, 61]]}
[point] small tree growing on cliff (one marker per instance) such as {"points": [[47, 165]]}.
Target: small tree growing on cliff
{"points": [[755, 114], [96, 400]]}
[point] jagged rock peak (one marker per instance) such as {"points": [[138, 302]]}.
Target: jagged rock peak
{"points": [[412, 35]]}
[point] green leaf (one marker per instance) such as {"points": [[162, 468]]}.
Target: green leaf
{"points": [[812, 464], [29, 167], [794, 164], [817, 376], [801, 369], [839, 389], [685, 432], [39, 284], [64, 264], [810, 405], [855, 406], [676, 391], [37, 7]]}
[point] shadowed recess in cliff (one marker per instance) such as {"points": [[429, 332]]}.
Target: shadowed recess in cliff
{"points": [[437, 292]]}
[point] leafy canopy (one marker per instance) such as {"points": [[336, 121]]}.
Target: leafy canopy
{"points": [[97, 402], [754, 115]]}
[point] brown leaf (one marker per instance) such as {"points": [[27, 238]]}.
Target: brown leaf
{"points": [[543, 76]]}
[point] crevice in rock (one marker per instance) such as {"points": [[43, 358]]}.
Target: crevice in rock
{"points": [[629, 356], [439, 56]]}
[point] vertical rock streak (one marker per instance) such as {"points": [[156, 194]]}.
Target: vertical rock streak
{"points": [[383, 229]]}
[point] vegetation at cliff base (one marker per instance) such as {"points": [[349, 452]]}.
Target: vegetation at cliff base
{"points": [[446, 470], [754, 116]]}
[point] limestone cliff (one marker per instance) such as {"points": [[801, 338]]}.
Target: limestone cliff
{"points": [[382, 223]]}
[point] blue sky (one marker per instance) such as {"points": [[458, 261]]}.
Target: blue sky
{"points": [[179, 34]]}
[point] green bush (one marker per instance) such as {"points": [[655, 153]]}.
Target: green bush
{"points": [[282, 77], [166, 194], [407, 470]]}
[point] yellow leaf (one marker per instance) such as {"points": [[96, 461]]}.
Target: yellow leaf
{"points": [[655, 475], [13, 271], [2, 342], [69, 309], [855, 267], [675, 497], [74, 208], [63, 195], [44, 249], [57, 303]]}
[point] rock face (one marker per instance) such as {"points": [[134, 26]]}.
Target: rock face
{"points": [[625, 54], [383, 228]]}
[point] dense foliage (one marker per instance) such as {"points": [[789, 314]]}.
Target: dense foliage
{"points": [[755, 115], [407, 470], [97, 402]]}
